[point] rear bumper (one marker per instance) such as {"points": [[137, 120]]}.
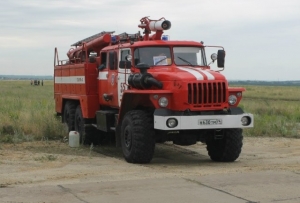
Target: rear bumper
{"points": [[203, 121]]}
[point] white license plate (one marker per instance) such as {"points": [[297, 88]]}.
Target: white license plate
{"points": [[210, 122]]}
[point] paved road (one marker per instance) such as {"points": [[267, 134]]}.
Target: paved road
{"points": [[264, 186], [268, 170]]}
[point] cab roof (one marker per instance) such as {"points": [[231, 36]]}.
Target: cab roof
{"points": [[155, 43]]}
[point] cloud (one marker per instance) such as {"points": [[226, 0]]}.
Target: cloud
{"points": [[253, 32]]}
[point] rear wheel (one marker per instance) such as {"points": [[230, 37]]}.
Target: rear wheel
{"points": [[69, 115], [226, 148], [86, 133], [137, 137]]}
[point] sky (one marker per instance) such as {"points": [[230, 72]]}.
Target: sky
{"points": [[261, 37]]}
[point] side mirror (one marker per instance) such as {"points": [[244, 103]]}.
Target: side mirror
{"points": [[221, 58]]}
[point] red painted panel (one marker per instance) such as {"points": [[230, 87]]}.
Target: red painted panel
{"points": [[89, 105], [91, 78], [57, 73], [102, 90], [65, 73], [58, 103], [80, 71], [72, 86]]}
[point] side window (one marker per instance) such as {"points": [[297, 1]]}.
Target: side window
{"points": [[124, 53], [113, 60], [104, 58], [103, 61]]}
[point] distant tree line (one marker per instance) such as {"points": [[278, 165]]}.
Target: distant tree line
{"points": [[265, 83], [231, 82], [25, 77]]}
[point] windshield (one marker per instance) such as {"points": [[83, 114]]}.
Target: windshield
{"points": [[192, 56], [153, 56]]}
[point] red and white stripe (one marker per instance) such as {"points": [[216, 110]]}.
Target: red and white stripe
{"points": [[69, 80], [198, 73]]}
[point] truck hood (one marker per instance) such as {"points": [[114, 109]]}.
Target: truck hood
{"points": [[186, 73]]}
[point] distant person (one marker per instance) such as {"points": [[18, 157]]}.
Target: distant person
{"points": [[42, 83]]}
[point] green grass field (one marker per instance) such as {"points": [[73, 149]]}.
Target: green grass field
{"points": [[28, 113], [276, 110]]}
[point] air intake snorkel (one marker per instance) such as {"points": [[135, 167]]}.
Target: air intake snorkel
{"points": [[143, 80]]}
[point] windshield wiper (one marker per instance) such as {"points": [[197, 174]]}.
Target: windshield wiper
{"points": [[185, 60], [160, 61]]}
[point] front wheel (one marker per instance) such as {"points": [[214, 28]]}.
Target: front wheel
{"points": [[137, 137], [226, 148]]}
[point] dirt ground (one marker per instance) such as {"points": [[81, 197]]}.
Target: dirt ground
{"points": [[54, 162]]}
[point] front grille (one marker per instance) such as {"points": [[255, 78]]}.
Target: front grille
{"points": [[207, 93]]}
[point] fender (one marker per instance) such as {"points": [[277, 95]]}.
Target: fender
{"points": [[88, 103], [238, 92], [134, 99]]}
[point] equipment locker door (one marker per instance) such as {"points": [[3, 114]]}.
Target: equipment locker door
{"points": [[123, 74]]}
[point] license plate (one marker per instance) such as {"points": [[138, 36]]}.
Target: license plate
{"points": [[210, 122]]}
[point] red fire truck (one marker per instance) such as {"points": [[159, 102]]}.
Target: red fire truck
{"points": [[145, 89]]}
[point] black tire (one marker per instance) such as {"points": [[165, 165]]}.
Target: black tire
{"points": [[87, 133], [138, 137], [69, 115], [226, 149]]}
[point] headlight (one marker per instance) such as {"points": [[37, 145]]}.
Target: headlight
{"points": [[163, 102], [246, 120], [232, 99], [172, 122]]}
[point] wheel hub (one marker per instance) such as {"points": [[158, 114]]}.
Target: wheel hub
{"points": [[127, 137]]}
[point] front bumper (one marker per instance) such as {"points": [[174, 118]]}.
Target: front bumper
{"points": [[199, 122]]}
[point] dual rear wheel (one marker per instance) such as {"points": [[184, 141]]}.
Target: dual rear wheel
{"points": [[75, 121]]}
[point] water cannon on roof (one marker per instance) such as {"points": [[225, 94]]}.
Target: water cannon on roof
{"points": [[98, 41], [157, 26]]}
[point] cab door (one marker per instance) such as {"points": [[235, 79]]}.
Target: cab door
{"points": [[112, 78], [123, 74], [102, 76]]}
